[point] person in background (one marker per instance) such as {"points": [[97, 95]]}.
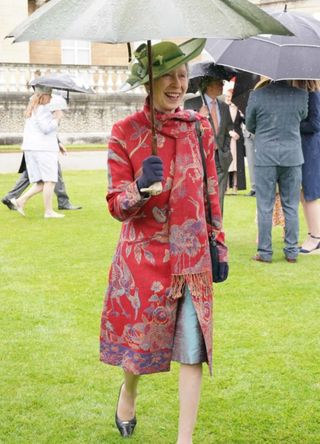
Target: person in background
{"points": [[237, 176], [274, 113], [23, 182], [220, 119], [41, 148], [310, 132], [249, 144], [165, 313]]}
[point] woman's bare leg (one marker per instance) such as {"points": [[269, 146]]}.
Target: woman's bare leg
{"points": [[311, 211], [127, 399], [35, 189], [48, 188], [189, 394]]}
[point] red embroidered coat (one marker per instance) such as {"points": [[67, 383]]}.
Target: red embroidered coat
{"points": [[138, 318]]}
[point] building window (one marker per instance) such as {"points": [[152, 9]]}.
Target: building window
{"points": [[75, 52]]}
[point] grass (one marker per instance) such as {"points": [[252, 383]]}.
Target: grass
{"points": [[88, 147], [266, 386]]}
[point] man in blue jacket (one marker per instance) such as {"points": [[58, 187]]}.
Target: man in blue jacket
{"points": [[273, 114]]}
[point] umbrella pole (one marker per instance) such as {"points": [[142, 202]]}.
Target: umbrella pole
{"points": [[150, 72], [155, 188]]}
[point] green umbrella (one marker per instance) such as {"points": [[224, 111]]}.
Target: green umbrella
{"points": [[116, 21]]}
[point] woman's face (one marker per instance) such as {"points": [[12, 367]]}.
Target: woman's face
{"points": [[215, 88], [228, 97], [170, 89]]}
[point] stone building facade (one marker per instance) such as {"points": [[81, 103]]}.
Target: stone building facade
{"points": [[13, 12]]}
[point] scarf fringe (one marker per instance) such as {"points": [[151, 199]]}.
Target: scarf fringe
{"points": [[199, 284]]}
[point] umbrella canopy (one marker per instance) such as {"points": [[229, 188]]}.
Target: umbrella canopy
{"points": [[116, 21], [63, 82], [207, 69], [276, 57]]}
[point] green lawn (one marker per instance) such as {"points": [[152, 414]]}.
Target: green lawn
{"points": [[53, 389]]}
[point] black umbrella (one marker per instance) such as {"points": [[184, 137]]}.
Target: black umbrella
{"points": [[198, 71], [63, 82], [273, 56]]}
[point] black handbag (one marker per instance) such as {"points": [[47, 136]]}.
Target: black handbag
{"points": [[220, 270]]}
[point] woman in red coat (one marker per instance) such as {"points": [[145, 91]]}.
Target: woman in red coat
{"points": [[158, 306]]}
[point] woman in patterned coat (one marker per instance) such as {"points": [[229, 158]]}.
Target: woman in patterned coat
{"points": [[158, 306]]}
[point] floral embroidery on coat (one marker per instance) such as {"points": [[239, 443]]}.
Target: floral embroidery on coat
{"points": [[139, 313]]}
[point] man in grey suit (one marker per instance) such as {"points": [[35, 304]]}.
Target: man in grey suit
{"points": [[273, 114], [211, 88]]}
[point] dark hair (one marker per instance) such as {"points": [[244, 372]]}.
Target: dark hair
{"points": [[206, 81]]}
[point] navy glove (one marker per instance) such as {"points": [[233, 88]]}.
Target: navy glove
{"points": [[152, 171]]}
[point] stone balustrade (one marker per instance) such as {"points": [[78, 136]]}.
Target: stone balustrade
{"points": [[14, 77], [90, 116]]}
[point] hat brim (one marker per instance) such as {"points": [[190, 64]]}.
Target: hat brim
{"points": [[262, 82], [191, 49]]}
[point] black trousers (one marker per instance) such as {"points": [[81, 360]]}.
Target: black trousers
{"points": [[222, 181]]}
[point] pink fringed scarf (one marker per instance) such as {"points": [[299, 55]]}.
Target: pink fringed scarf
{"points": [[188, 237]]}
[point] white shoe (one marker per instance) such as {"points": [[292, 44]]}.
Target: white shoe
{"points": [[16, 206], [53, 215]]}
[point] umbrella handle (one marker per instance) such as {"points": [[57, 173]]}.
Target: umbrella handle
{"points": [[154, 150], [154, 189]]}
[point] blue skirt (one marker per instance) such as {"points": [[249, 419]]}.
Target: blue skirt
{"points": [[188, 344]]}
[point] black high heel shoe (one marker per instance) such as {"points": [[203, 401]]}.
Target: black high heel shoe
{"points": [[315, 250], [126, 428]]}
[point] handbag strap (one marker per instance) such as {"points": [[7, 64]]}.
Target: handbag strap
{"points": [[205, 176]]}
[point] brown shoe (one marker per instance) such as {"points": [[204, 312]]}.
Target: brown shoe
{"points": [[258, 258], [291, 260]]}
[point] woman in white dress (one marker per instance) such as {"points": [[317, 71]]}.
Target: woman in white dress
{"points": [[41, 148]]}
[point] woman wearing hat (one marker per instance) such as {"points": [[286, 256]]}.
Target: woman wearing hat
{"points": [[41, 148], [158, 306]]}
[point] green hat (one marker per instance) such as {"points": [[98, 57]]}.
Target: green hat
{"points": [[166, 56]]}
